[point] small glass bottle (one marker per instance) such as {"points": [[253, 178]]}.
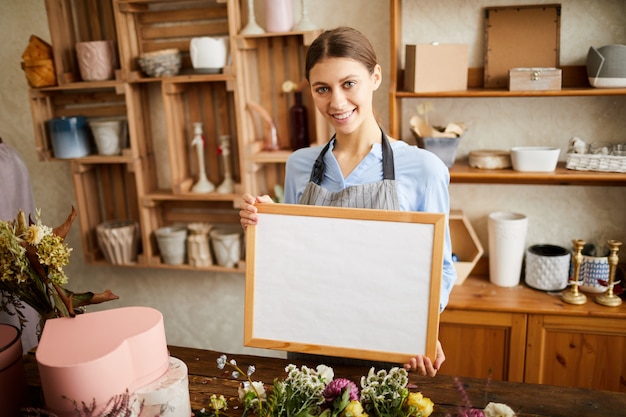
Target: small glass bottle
{"points": [[298, 129]]}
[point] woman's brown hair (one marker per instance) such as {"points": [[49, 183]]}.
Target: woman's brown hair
{"points": [[342, 42]]}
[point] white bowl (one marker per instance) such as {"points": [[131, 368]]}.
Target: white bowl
{"points": [[534, 158]]}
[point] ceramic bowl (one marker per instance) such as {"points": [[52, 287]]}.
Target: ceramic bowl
{"points": [[164, 63], [534, 158]]}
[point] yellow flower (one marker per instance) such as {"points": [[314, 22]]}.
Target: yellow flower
{"points": [[422, 404], [354, 409], [218, 403]]}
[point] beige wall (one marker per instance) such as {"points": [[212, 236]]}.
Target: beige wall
{"points": [[206, 309]]}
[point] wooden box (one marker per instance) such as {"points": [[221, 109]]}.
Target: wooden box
{"points": [[465, 245], [520, 36], [534, 79], [436, 67]]}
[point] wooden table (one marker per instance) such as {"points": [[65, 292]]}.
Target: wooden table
{"points": [[528, 400]]}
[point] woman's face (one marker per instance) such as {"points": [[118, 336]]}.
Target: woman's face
{"points": [[342, 90]]}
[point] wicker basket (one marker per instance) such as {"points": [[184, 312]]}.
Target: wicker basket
{"points": [[40, 73], [591, 162], [38, 63]]}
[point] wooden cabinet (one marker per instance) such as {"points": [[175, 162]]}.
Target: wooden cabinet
{"points": [[524, 335], [151, 180]]}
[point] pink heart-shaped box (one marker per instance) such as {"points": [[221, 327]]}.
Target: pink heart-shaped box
{"points": [[95, 356]]}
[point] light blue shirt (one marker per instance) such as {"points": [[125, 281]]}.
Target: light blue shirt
{"points": [[422, 181]]}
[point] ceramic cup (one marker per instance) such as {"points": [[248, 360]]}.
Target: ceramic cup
{"points": [[172, 244], [507, 238], [547, 267], [109, 135], [96, 60], [69, 137]]}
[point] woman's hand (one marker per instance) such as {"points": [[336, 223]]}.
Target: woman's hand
{"points": [[248, 213], [424, 365]]}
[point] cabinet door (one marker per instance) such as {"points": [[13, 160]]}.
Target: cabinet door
{"points": [[586, 352], [483, 344]]}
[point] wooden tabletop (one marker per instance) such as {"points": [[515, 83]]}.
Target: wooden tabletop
{"points": [[529, 400], [478, 294]]}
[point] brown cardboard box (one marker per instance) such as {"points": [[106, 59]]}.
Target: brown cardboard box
{"points": [[436, 67], [534, 79]]}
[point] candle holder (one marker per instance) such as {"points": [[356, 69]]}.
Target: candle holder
{"points": [[573, 296], [203, 185], [305, 23], [252, 28], [228, 185], [609, 298]]}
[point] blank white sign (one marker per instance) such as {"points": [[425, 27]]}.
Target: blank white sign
{"points": [[345, 282]]}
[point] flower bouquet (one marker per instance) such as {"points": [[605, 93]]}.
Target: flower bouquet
{"points": [[32, 257], [307, 392]]}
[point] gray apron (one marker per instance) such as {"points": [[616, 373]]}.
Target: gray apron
{"points": [[378, 195]]}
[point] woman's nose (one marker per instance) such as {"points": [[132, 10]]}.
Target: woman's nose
{"points": [[337, 99]]}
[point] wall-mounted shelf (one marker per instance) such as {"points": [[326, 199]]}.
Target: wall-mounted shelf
{"points": [[461, 172]]}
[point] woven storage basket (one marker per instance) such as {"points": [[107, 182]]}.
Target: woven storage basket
{"points": [[40, 73], [590, 162], [38, 63]]}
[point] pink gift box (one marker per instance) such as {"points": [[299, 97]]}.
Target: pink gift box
{"points": [[96, 356]]}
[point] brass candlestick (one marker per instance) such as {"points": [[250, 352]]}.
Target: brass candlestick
{"points": [[573, 296], [609, 298]]}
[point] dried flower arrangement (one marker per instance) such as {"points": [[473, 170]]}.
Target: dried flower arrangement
{"points": [[32, 258]]}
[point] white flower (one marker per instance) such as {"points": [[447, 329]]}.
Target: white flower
{"points": [[256, 387], [326, 373], [498, 410]]}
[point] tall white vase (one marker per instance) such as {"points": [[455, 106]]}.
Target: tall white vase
{"points": [[252, 28]]}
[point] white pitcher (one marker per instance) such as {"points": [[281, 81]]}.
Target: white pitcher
{"points": [[208, 52]]}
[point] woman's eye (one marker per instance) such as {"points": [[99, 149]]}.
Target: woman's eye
{"points": [[349, 84], [322, 90]]}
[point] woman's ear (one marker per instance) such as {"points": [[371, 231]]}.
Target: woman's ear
{"points": [[377, 76]]}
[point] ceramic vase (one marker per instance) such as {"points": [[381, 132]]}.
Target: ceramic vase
{"points": [[96, 60], [119, 241], [278, 15], [171, 242], [108, 135], [69, 137], [198, 249], [507, 240], [227, 246], [13, 388]]}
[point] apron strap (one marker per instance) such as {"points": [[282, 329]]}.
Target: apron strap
{"points": [[317, 173]]}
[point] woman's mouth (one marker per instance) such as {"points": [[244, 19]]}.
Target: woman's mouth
{"points": [[342, 116]]}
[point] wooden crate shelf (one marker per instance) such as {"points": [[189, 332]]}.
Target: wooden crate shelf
{"points": [[103, 192], [77, 21], [161, 212], [148, 26], [211, 104], [91, 103]]}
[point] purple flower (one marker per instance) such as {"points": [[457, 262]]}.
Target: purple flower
{"points": [[337, 387]]}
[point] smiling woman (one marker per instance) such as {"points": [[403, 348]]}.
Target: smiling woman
{"points": [[360, 166]]}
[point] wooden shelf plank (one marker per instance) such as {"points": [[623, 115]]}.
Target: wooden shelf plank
{"points": [[462, 173], [498, 92]]}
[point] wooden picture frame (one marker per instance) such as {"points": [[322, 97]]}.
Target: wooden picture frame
{"points": [[356, 283]]}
